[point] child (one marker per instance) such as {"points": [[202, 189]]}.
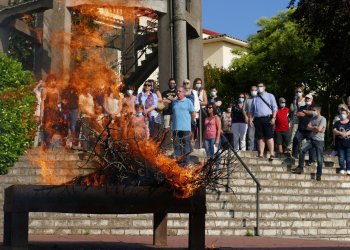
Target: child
{"points": [[282, 125], [139, 123]]}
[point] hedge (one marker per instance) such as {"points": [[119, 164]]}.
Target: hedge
{"points": [[17, 105]]}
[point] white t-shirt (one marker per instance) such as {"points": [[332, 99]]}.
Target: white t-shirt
{"points": [[86, 101]]}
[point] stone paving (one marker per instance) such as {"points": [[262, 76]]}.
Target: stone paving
{"points": [[104, 242]]}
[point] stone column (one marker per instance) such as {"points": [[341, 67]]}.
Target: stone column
{"points": [[4, 39], [4, 32], [129, 53], [57, 39], [165, 61], [195, 45], [180, 40]]}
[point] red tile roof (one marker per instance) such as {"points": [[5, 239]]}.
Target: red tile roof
{"points": [[210, 32]]}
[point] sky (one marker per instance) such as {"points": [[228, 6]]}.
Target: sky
{"points": [[238, 18]]}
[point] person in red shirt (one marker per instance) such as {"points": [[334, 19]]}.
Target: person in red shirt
{"points": [[282, 126]]}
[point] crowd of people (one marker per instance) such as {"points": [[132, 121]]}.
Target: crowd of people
{"points": [[255, 121]]}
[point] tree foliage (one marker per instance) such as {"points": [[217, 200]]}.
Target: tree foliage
{"points": [[329, 21], [280, 57], [16, 111], [225, 82]]}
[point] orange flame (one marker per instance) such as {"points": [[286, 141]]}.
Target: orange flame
{"points": [[91, 71]]}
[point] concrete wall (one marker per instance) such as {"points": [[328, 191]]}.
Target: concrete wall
{"points": [[213, 54]]}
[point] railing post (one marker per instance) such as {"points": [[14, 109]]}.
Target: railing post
{"points": [[257, 209]]}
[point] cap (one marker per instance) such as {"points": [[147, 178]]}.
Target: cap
{"points": [[309, 96], [343, 107]]}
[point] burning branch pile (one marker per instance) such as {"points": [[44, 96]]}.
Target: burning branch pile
{"points": [[125, 158]]}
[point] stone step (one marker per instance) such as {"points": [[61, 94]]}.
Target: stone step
{"points": [[281, 214], [273, 197]]}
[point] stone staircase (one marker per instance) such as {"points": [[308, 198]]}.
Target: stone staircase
{"points": [[290, 205]]}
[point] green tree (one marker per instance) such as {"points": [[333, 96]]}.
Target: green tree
{"points": [[328, 20], [279, 56], [17, 104], [225, 82]]}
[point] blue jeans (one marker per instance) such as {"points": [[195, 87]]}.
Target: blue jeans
{"points": [[182, 145], [151, 125], [209, 147], [251, 138], [344, 156], [318, 146], [73, 113], [297, 140]]}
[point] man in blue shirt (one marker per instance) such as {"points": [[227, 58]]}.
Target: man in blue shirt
{"points": [[264, 110], [182, 114]]}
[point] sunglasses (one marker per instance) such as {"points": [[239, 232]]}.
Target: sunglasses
{"points": [[185, 83], [147, 85]]}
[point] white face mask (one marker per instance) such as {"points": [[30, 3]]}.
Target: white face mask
{"points": [[299, 94], [129, 92], [254, 93], [213, 93], [139, 114], [229, 110], [308, 103]]}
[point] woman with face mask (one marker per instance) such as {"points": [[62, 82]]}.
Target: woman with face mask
{"points": [[239, 124], [341, 131], [129, 101]]}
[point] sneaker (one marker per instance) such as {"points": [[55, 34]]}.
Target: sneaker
{"points": [[297, 170], [318, 178], [311, 163], [342, 171], [348, 172]]}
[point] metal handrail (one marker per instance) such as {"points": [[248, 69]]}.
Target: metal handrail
{"points": [[127, 50], [258, 185]]}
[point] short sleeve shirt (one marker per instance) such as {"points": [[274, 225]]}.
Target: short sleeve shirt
{"points": [[339, 141], [282, 120], [260, 109], [319, 122], [304, 121], [182, 110], [166, 94]]}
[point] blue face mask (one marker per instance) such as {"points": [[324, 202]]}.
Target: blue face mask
{"points": [[282, 105], [260, 89], [343, 116], [213, 93], [198, 85], [240, 100]]}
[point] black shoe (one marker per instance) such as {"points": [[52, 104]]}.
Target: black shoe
{"points": [[297, 170], [272, 157], [318, 178]]}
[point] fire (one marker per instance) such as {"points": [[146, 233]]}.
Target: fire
{"points": [[91, 70]]}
